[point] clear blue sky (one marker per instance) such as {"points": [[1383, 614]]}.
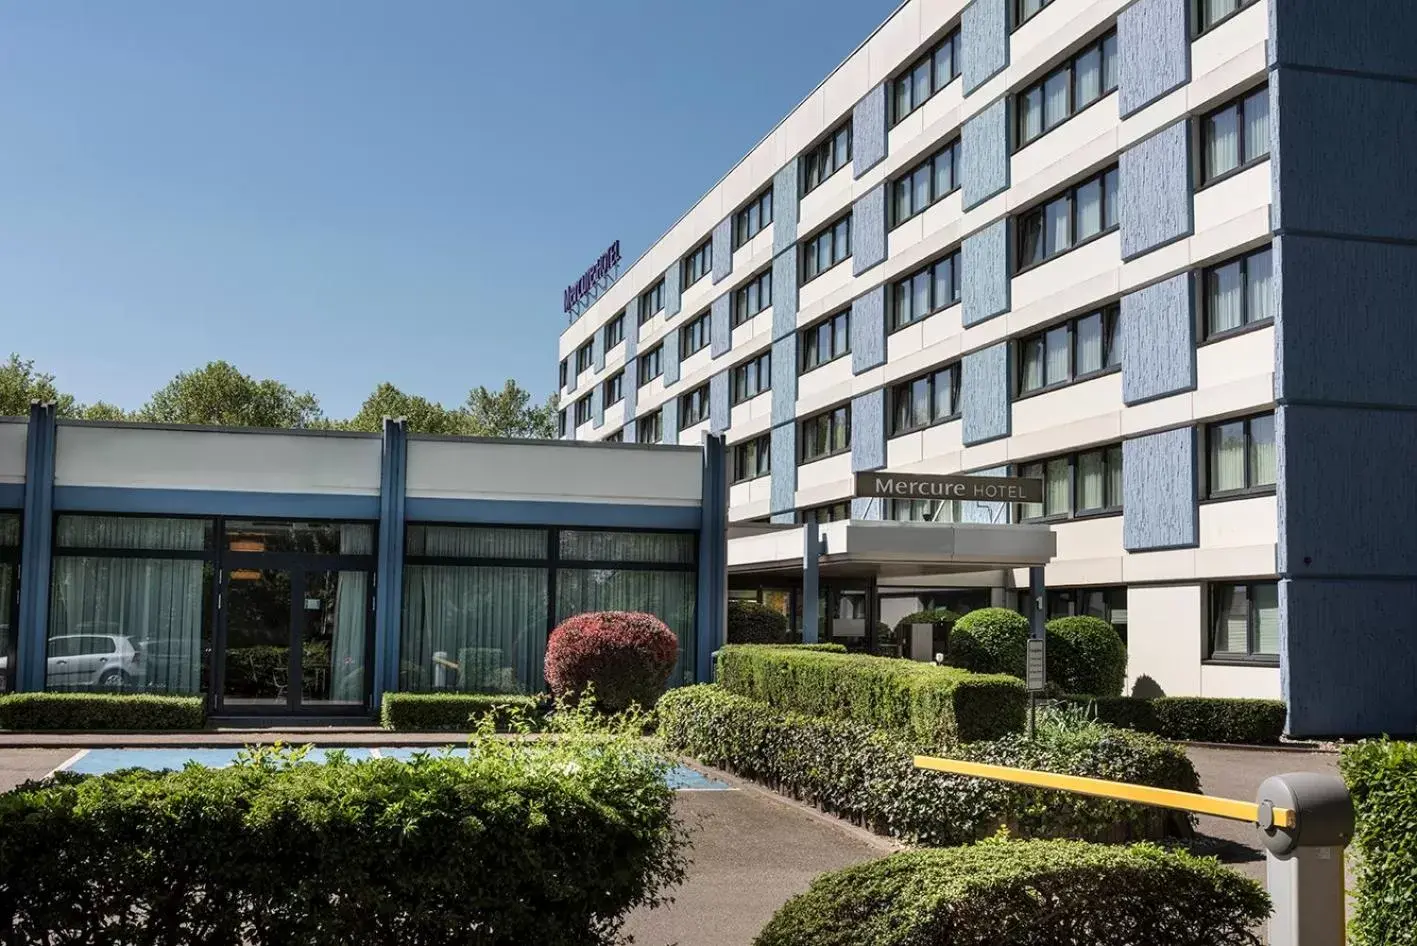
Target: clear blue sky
{"points": [[340, 192]]}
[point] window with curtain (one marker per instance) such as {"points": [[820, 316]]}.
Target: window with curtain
{"points": [[1211, 13], [130, 604], [1244, 622], [1075, 350], [1240, 457], [694, 407], [752, 297], [650, 428], [751, 378], [1109, 604], [1025, 10], [698, 263], [922, 510], [1075, 84], [9, 597], [926, 400], [652, 302], [830, 155], [1078, 484], [928, 290], [830, 512], [1066, 220], [926, 76], [825, 434], [752, 219], [825, 341], [1238, 293], [829, 247], [925, 184], [1235, 136], [694, 337], [752, 458]]}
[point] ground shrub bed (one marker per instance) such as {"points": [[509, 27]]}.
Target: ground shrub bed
{"points": [[95, 712], [925, 702], [868, 775], [455, 712], [752, 623], [547, 842], [1193, 718], [1382, 777], [1025, 893]]}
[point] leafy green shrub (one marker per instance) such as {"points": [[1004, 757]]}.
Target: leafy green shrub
{"points": [[1129, 712], [453, 712], [868, 775], [1025, 893], [752, 623], [92, 712], [990, 640], [921, 700], [1382, 777], [252, 671], [626, 656], [522, 841], [940, 617], [1086, 655], [1214, 719], [819, 648], [485, 670]]}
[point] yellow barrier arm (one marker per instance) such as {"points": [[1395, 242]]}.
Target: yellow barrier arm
{"points": [[1102, 788]]}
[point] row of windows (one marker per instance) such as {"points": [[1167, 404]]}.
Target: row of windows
{"points": [[1076, 484], [752, 458], [925, 291], [923, 185], [924, 401], [829, 247], [694, 407], [752, 297], [694, 337], [751, 378], [926, 76], [1074, 350], [831, 155], [1078, 214], [698, 263], [1071, 87], [826, 341], [825, 434], [752, 219]]}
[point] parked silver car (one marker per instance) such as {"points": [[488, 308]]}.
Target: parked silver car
{"points": [[88, 661]]}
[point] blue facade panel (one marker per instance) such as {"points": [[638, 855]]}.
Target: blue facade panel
{"points": [[669, 357], [868, 330], [1154, 49], [784, 210], [782, 496], [598, 349], [984, 155], [984, 274], [720, 411], [1154, 191], [723, 249], [1158, 340], [984, 395], [868, 231], [1372, 36], [784, 294], [669, 418], [1159, 491], [868, 431], [597, 407], [673, 292], [985, 513], [868, 131], [721, 326], [36, 548], [984, 41], [784, 379]]}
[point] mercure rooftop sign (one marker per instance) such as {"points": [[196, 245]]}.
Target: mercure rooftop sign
{"points": [[592, 277], [984, 489]]}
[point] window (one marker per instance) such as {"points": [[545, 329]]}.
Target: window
{"points": [[752, 297], [583, 411], [561, 423], [1211, 13], [584, 356], [826, 249], [1084, 78], [752, 219], [652, 302], [1024, 10], [651, 364], [1077, 349], [826, 341], [1077, 215], [831, 512], [751, 378], [828, 157], [615, 331], [925, 400], [698, 263], [925, 291], [826, 434], [926, 76], [616, 437], [1240, 457], [650, 428], [694, 336], [921, 510], [752, 458], [924, 184], [9, 597], [565, 372], [694, 407], [1109, 604], [1079, 484], [1235, 136], [614, 388], [1244, 622], [1237, 293]]}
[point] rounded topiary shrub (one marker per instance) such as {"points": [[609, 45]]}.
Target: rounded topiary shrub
{"points": [[1086, 656], [940, 617], [627, 657], [1025, 893], [752, 623], [990, 640]]}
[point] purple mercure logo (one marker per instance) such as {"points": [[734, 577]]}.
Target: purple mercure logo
{"points": [[578, 290]]}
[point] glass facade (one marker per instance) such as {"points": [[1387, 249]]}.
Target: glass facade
{"points": [[9, 596]]}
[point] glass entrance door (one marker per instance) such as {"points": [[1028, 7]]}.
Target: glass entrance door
{"points": [[333, 638]]}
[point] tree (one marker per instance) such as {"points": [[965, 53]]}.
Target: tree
{"points": [[220, 395], [422, 415], [20, 384], [102, 410], [509, 413]]}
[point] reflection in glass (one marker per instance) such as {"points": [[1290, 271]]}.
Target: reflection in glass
{"points": [[257, 658], [321, 538], [334, 609]]}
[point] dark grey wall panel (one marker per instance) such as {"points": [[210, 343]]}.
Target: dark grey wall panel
{"points": [[1154, 46], [723, 249], [784, 294], [721, 325], [720, 411], [1373, 36], [784, 208], [783, 492], [984, 40], [672, 291], [1159, 491], [984, 395], [984, 274], [868, 330], [997, 513], [669, 358], [868, 231], [1158, 340], [784, 379], [1155, 191], [868, 431], [868, 131], [984, 155]]}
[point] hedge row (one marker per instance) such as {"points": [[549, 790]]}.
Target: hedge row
{"points": [[868, 775], [1382, 777], [93, 712], [452, 712], [750, 622], [925, 702], [1025, 893], [1194, 718], [519, 842]]}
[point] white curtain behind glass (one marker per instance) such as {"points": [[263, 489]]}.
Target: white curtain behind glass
{"points": [[1224, 301], [1267, 619], [347, 650], [1089, 77], [1089, 344], [1090, 209], [1231, 620], [1222, 142], [1056, 487], [1227, 458], [669, 596], [1257, 125], [1262, 451], [1092, 481], [1257, 286], [1057, 369]]}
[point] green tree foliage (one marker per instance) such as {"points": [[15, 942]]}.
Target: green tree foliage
{"points": [[220, 395], [423, 416], [20, 384], [509, 413]]}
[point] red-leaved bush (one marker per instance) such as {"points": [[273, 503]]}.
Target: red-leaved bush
{"points": [[628, 656]]}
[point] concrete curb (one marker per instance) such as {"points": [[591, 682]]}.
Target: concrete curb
{"points": [[1306, 748], [225, 739]]}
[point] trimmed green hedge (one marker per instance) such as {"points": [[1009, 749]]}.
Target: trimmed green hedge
{"points": [[868, 775], [990, 640], [940, 617], [521, 841], [452, 712], [1194, 718], [1382, 776], [1025, 893], [921, 700], [1086, 655], [819, 648], [94, 712], [752, 623]]}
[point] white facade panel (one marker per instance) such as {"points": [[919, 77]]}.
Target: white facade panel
{"points": [[1164, 634], [13, 440]]}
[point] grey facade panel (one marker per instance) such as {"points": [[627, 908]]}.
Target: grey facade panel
{"points": [[984, 395], [868, 330], [720, 412], [996, 513], [632, 325], [1154, 191], [868, 431], [721, 325], [784, 294], [984, 274], [984, 41], [868, 131], [672, 291], [669, 357], [631, 383], [1154, 48], [782, 495], [1159, 491], [1373, 36], [784, 209], [784, 379], [597, 407], [1158, 340], [628, 431], [984, 155], [868, 231], [866, 507], [723, 249], [669, 420], [598, 349]]}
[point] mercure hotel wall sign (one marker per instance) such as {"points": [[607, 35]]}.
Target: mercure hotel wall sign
{"points": [[592, 277], [984, 489]]}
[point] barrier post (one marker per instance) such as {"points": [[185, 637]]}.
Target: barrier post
{"points": [[1305, 862]]}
